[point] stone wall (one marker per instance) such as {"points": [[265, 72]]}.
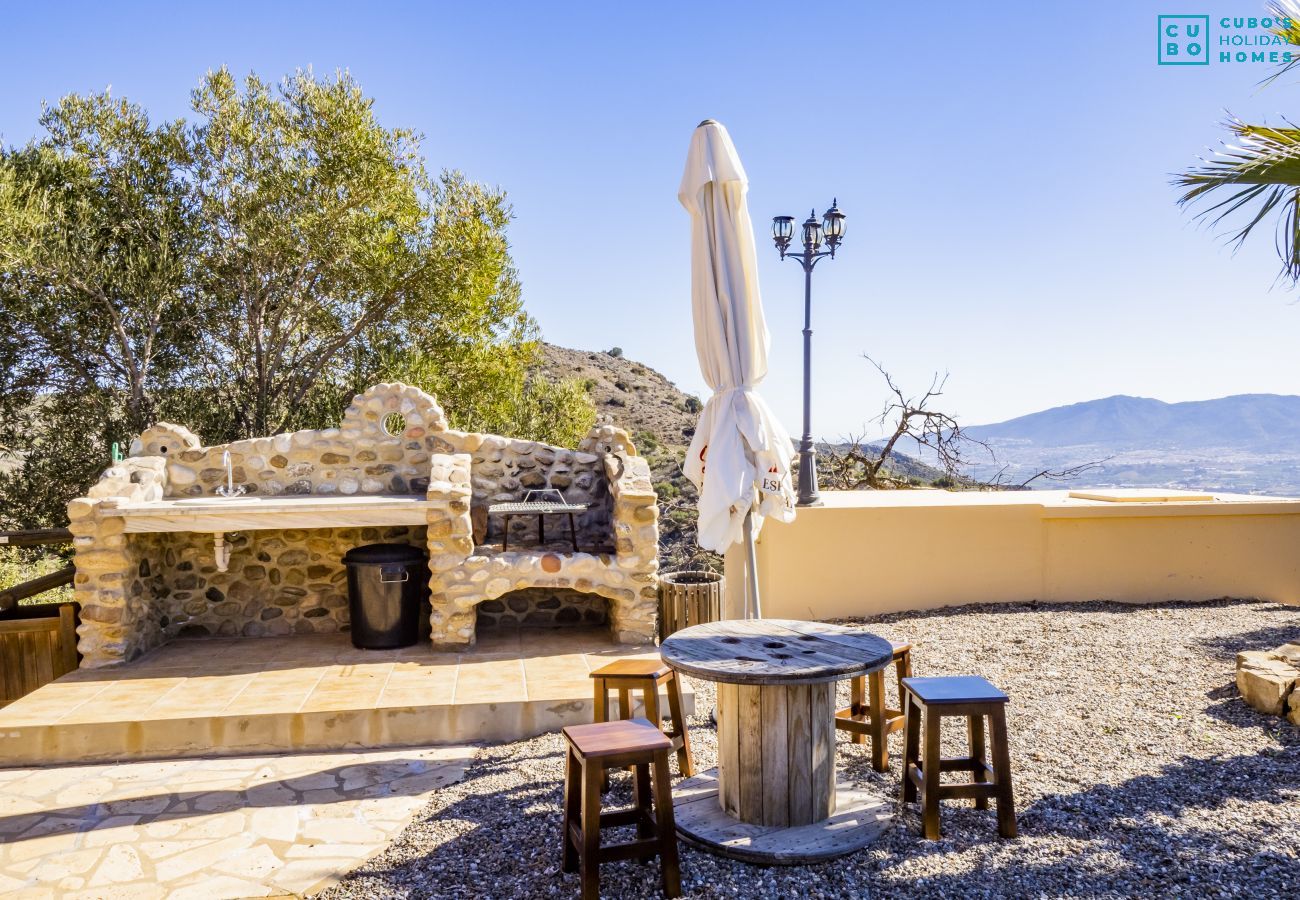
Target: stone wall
{"points": [[543, 607], [116, 582], [363, 456], [279, 582], [139, 590]]}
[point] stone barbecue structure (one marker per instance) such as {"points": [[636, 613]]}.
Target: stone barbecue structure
{"points": [[151, 534]]}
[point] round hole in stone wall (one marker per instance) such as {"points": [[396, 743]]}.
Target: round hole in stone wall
{"points": [[394, 424]]}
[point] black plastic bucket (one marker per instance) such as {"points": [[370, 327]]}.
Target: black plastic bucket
{"points": [[387, 584]]}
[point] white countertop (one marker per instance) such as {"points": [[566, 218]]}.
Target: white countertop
{"points": [[245, 513]]}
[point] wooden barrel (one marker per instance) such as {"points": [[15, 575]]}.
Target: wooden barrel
{"points": [[688, 598]]}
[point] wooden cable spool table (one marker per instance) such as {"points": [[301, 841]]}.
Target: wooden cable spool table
{"points": [[774, 797]]}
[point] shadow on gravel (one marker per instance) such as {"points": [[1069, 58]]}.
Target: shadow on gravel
{"points": [[1227, 646], [1175, 832], [492, 834], [1093, 607]]}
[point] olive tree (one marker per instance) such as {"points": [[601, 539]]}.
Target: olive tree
{"points": [[97, 245], [244, 272], [324, 242]]}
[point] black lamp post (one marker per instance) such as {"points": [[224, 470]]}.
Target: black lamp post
{"points": [[830, 230]]}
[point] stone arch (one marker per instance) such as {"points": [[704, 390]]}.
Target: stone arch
{"points": [[607, 438], [456, 592], [164, 439], [368, 416], [493, 592]]}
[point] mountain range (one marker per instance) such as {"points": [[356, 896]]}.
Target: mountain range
{"points": [[1260, 422], [1247, 442]]}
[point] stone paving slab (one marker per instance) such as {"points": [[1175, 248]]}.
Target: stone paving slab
{"points": [[249, 826]]}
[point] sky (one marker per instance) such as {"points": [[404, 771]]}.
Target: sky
{"points": [[1004, 167]]}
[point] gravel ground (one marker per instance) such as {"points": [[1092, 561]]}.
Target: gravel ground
{"points": [[1137, 771]]}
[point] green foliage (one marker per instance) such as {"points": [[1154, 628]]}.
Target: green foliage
{"points": [[63, 441], [18, 565], [616, 352], [1257, 176], [498, 395], [319, 227], [667, 490], [692, 405], [1260, 174], [97, 236], [244, 273]]}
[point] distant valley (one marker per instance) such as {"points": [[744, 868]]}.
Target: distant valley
{"points": [[1248, 443]]}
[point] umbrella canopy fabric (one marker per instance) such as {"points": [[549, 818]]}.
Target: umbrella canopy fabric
{"points": [[738, 441]]}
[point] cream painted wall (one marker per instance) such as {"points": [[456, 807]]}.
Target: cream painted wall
{"points": [[875, 552]]}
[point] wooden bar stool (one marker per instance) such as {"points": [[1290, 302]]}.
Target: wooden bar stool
{"points": [[646, 675], [974, 698], [591, 750], [872, 719]]}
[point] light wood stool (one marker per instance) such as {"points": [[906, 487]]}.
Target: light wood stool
{"points": [[872, 719], [646, 676], [591, 750], [973, 698]]}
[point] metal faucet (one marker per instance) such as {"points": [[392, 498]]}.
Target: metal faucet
{"points": [[229, 489]]}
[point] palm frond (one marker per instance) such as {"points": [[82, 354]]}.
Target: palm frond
{"points": [[1286, 16], [1261, 175]]}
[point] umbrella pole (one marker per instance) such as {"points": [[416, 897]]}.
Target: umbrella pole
{"points": [[751, 570]]}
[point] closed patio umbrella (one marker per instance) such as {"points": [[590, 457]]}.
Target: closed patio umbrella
{"points": [[740, 455]]}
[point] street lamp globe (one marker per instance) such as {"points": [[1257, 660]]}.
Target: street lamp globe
{"points": [[812, 231], [782, 232], [833, 224]]}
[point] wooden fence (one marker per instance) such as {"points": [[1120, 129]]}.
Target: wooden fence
{"points": [[34, 652], [37, 642]]}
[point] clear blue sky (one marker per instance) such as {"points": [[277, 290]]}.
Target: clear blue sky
{"points": [[1004, 168]]}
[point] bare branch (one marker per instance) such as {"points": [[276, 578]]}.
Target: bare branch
{"points": [[1067, 474]]}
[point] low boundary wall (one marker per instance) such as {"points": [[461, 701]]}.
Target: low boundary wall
{"points": [[870, 552]]}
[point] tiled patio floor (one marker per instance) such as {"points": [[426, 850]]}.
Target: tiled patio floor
{"points": [[310, 693], [209, 828]]}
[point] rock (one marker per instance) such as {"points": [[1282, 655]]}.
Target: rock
{"points": [[1265, 681], [1289, 653]]}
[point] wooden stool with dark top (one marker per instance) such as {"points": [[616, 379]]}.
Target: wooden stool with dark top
{"points": [[872, 719], [591, 750], [646, 675], [974, 698]]}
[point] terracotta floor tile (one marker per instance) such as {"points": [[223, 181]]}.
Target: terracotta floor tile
{"points": [[260, 702], [184, 684]]}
